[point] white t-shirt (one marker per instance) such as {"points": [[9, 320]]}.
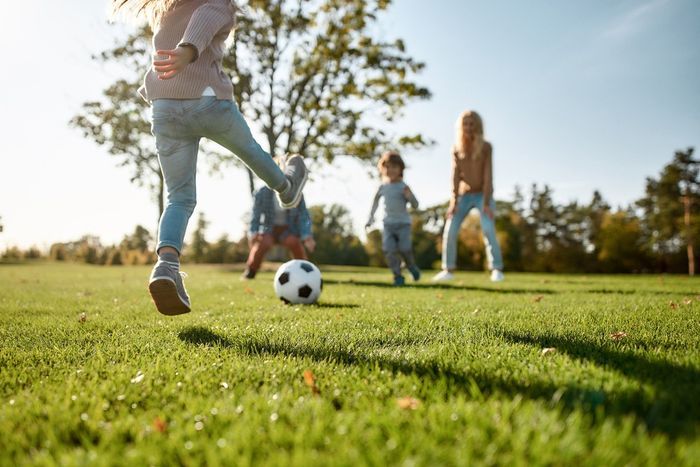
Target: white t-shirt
{"points": [[208, 92]]}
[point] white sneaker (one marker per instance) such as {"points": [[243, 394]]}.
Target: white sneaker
{"points": [[497, 276], [443, 276]]}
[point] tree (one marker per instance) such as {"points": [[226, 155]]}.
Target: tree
{"points": [[140, 240], [619, 248], [120, 121], [671, 207], [335, 241], [199, 247], [309, 72], [312, 74]]}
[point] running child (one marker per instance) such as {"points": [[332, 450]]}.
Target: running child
{"points": [[396, 236], [192, 98]]}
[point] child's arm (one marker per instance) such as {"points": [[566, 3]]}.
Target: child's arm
{"points": [[206, 21], [375, 205], [410, 197]]}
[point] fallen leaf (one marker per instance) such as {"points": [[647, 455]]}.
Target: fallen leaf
{"points": [[439, 296], [249, 291], [408, 403], [687, 301], [310, 381], [82, 318], [537, 298], [160, 425], [138, 378], [673, 305], [616, 336], [548, 351]]}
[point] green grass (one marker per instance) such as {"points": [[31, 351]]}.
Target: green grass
{"points": [[225, 383]]}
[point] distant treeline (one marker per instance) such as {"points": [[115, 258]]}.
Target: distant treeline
{"points": [[657, 233]]}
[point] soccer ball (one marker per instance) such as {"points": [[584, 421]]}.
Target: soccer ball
{"points": [[298, 281]]}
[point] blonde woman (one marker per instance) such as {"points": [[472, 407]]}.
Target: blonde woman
{"points": [[192, 98], [472, 187]]}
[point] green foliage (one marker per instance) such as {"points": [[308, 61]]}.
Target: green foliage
{"points": [[92, 374], [620, 247], [317, 78], [667, 232], [310, 73], [120, 121], [335, 241]]}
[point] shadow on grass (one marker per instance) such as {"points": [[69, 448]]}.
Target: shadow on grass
{"points": [[680, 293], [333, 305], [442, 286], [674, 408]]}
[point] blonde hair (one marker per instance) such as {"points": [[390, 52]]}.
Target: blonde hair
{"points": [[477, 142], [390, 158], [153, 9]]}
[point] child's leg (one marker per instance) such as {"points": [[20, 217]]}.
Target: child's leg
{"points": [[405, 245], [390, 246], [258, 251], [177, 155], [488, 229], [293, 244], [224, 124]]}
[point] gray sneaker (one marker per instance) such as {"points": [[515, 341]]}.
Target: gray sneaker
{"points": [[295, 171], [168, 289]]}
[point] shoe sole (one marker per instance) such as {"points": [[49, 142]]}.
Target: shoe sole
{"points": [[166, 299], [295, 202]]}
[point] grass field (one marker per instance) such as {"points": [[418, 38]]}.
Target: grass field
{"points": [[425, 375]]}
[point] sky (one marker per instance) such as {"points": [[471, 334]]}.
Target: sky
{"points": [[582, 96]]}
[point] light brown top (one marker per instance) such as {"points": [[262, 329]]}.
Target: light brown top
{"points": [[472, 174], [204, 24]]}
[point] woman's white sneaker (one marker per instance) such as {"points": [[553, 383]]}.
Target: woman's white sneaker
{"points": [[443, 276], [497, 275]]}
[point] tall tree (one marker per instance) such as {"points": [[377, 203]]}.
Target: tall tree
{"points": [[310, 73], [671, 207]]}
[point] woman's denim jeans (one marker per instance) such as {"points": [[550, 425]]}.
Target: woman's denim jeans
{"points": [[466, 203], [178, 125]]}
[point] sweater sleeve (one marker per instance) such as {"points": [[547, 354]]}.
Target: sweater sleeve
{"points": [[488, 174], [375, 205], [455, 177], [206, 22]]}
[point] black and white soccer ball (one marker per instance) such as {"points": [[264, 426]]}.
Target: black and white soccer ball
{"points": [[298, 281]]}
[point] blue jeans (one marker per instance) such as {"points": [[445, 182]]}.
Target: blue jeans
{"points": [[178, 125], [466, 203]]}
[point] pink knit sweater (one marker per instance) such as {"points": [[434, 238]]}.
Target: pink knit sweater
{"points": [[204, 24]]}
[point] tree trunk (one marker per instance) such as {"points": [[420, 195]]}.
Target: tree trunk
{"points": [[251, 182], [689, 236]]}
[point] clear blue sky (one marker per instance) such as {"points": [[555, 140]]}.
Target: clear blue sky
{"points": [[579, 95]]}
